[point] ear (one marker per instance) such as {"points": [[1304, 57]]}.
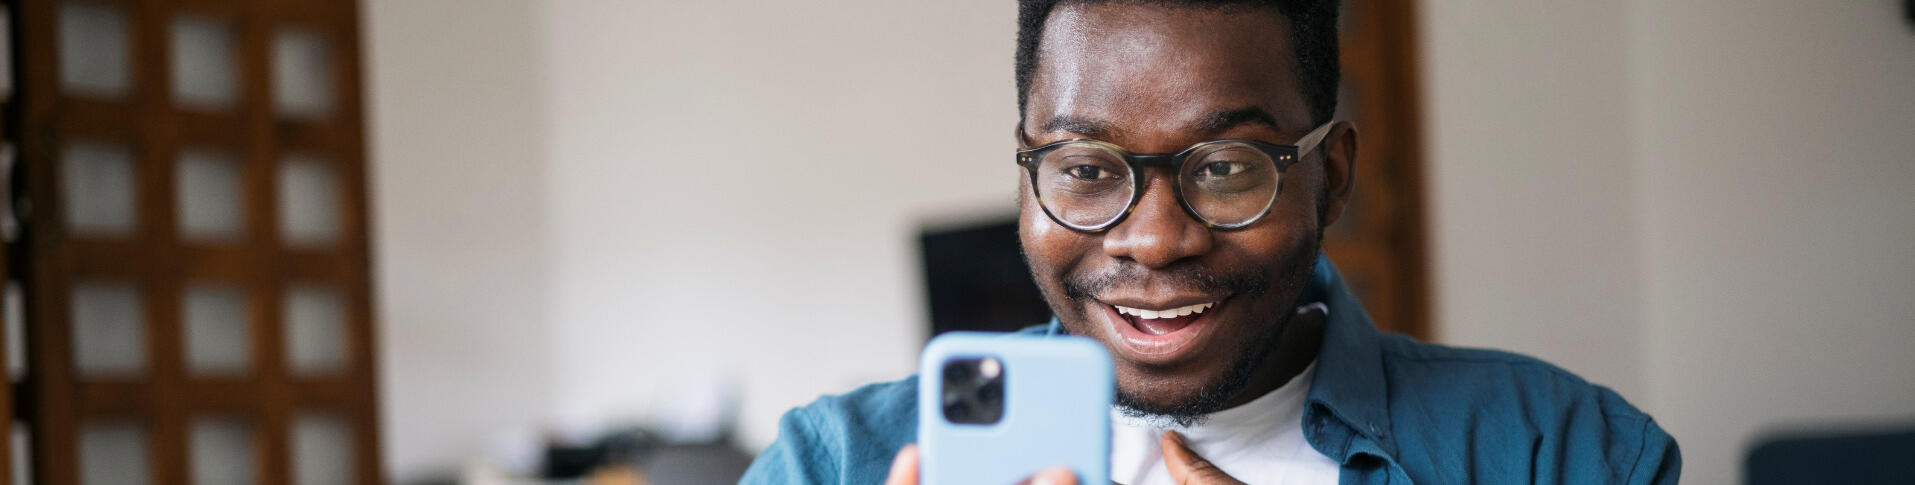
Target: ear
{"points": [[1339, 170]]}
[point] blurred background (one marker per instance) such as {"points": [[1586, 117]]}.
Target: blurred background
{"points": [[430, 241]]}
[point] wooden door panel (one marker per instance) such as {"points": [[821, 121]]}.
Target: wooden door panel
{"points": [[234, 138]]}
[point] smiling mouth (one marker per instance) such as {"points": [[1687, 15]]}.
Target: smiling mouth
{"points": [[1157, 330], [1161, 322], [1158, 336]]}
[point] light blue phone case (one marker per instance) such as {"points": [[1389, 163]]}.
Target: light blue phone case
{"points": [[1057, 395]]}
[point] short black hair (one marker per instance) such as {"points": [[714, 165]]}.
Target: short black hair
{"points": [[1313, 34]]}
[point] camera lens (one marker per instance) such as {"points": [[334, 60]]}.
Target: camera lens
{"points": [[957, 371], [973, 390]]}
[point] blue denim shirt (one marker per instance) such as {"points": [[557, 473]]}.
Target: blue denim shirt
{"points": [[1389, 408]]}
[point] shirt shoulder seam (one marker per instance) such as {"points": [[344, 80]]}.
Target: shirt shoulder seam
{"points": [[1641, 447], [812, 431]]}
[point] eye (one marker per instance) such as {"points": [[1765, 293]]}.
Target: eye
{"points": [[1222, 169], [1089, 172]]}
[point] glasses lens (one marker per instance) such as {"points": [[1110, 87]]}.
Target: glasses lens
{"points": [[1084, 184], [1230, 183]]}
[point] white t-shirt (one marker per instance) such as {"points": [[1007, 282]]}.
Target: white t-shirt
{"points": [[1259, 442]]}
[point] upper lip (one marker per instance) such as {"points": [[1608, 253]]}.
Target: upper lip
{"points": [[1160, 303]]}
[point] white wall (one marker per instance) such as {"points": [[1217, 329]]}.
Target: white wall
{"points": [[1705, 204], [460, 252]]}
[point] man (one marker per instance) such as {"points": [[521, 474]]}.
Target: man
{"points": [[1239, 353]]}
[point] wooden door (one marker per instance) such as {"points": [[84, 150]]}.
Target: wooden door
{"points": [[1379, 244], [196, 259]]}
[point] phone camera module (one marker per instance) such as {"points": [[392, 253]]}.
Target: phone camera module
{"points": [[973, 390]]}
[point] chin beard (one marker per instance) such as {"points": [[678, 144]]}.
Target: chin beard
{"points": [[1212, 397]]}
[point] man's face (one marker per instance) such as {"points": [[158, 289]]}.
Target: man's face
{"points": [[1158, 80]]}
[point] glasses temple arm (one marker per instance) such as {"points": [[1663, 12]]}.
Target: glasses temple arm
{"points": [[1309, 142]]}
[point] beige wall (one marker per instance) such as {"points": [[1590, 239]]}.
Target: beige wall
{"points": [[1531, 182], [455, 111], [1775, 155], [589, 210], [1705, 204], [734, 189]]}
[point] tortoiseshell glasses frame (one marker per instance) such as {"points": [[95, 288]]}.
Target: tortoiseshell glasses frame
{"points": [[1104, 156]]}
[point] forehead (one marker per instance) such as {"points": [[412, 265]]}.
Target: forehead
{"points": [[1151, 71]]}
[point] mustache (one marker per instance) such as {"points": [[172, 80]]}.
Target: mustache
{"points": [[1188, 276]]}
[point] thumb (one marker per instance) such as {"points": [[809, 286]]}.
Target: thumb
{"points": [[1054, 476], [904, 470], [1186, 467]]}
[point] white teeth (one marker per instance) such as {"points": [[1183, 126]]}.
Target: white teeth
{"points": [[1174, 312]]}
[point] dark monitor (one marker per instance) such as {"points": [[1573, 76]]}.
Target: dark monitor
{"points": [[977, 280]]}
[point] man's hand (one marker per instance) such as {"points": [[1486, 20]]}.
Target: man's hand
{"points": [[904, 468], [904, 471], [1188, 468]]}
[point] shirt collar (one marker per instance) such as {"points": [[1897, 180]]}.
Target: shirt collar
{"points": [[1349, 382]]}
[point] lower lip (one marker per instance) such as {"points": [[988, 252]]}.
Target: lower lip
{"points": [[1156, 348]]}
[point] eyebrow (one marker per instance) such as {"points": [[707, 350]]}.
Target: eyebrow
{"points": [[1095, 129], [1222, 121], [1210, 124]]}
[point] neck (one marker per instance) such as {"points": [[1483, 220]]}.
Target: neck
{"points": [[1295, 349]]}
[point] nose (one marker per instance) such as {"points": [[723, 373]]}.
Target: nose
{"points": [[1159, 232]]}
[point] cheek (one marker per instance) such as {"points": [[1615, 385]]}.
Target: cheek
{"points": [[1292, 221], [1053, 251], [1274, 245], [1044, 246], [1302, 188]]}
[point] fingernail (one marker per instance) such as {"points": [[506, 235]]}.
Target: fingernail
{"points": [[1051, 477]]}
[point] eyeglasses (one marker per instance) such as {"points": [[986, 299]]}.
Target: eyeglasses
{"points": [[1091, 186]]}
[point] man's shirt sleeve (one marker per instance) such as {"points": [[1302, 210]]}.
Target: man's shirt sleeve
{"points": [[1607, 440], [1481, 416], [1639, 451], [848, 438], [1660, 460], [797, 457]]}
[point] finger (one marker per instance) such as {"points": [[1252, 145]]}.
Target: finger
{"points": [[1054, 476], [1186, 467], [904, 469]]}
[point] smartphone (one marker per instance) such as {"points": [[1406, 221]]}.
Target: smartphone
{"points": [[998, 408]]}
